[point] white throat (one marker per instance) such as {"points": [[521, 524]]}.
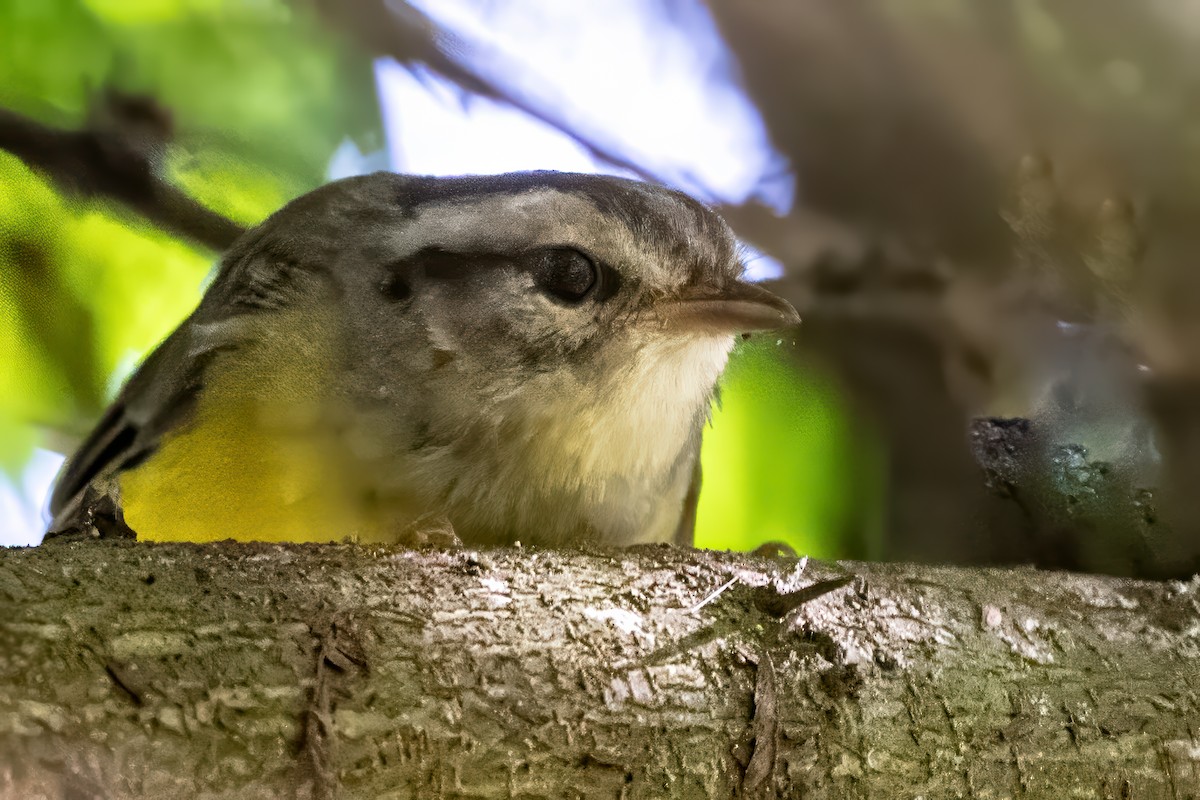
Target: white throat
{"points": [[620, 457]]}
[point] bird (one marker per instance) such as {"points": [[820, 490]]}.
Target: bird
{"points": [[525, 357]]}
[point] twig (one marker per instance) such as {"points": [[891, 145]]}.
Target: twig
{"points": [[339, 652], [399, 30], [759, 776], [714, 594]]}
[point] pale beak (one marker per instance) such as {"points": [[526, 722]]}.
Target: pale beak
{"points": [[737, 308]]}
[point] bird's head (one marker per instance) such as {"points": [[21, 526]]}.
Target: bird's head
{"points": [[586, 314], [524, 272]]}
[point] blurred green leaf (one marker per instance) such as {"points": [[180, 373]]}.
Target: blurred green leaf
{"points": [[248, 81], [778, 459], [85, 291], [260, 94]]}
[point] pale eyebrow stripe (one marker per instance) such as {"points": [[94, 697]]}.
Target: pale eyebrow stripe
{"points": [[494, 223], [640, 222]]}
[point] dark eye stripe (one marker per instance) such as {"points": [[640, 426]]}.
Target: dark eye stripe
{"points": [[565, 273]]}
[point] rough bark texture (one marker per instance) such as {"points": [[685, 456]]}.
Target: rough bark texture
{"points": [[135, 670]]}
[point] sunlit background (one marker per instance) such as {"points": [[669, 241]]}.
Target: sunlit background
{"points": [[266, 105], [985, 213]]}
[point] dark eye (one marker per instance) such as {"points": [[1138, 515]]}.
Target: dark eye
{"points": [[566, 274]]}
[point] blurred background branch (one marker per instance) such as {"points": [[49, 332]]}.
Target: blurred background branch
{"points": [[118, 158], [400, 31]]}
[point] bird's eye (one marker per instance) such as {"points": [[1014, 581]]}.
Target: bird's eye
{"points": [[566, 274]]}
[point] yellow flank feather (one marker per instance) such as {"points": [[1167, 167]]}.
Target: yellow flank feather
{"points": [[259, 460]]}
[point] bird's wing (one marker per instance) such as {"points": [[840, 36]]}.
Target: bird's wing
{"points": [[160, 396], [253, 277]]}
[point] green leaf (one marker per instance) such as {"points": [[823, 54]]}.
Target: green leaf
{"points": [[778, 460]]}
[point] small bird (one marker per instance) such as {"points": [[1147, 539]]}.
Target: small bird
{"points": [[522, 357]]}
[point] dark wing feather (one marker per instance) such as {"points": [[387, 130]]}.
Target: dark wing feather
{"points": [[113, 434], [159, 396], [162, 393]]}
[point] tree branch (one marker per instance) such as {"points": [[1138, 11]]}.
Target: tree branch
{"points": [[107, 164], [135, 670], [399, 30]]}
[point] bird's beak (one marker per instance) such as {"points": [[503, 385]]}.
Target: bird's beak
{"points": [[737, 308]]}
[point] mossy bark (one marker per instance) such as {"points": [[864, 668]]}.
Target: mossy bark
{"points": [[135, 670]]}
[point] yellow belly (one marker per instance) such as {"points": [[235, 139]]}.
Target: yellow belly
{"points": [[259, 460], [232, 477]]}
